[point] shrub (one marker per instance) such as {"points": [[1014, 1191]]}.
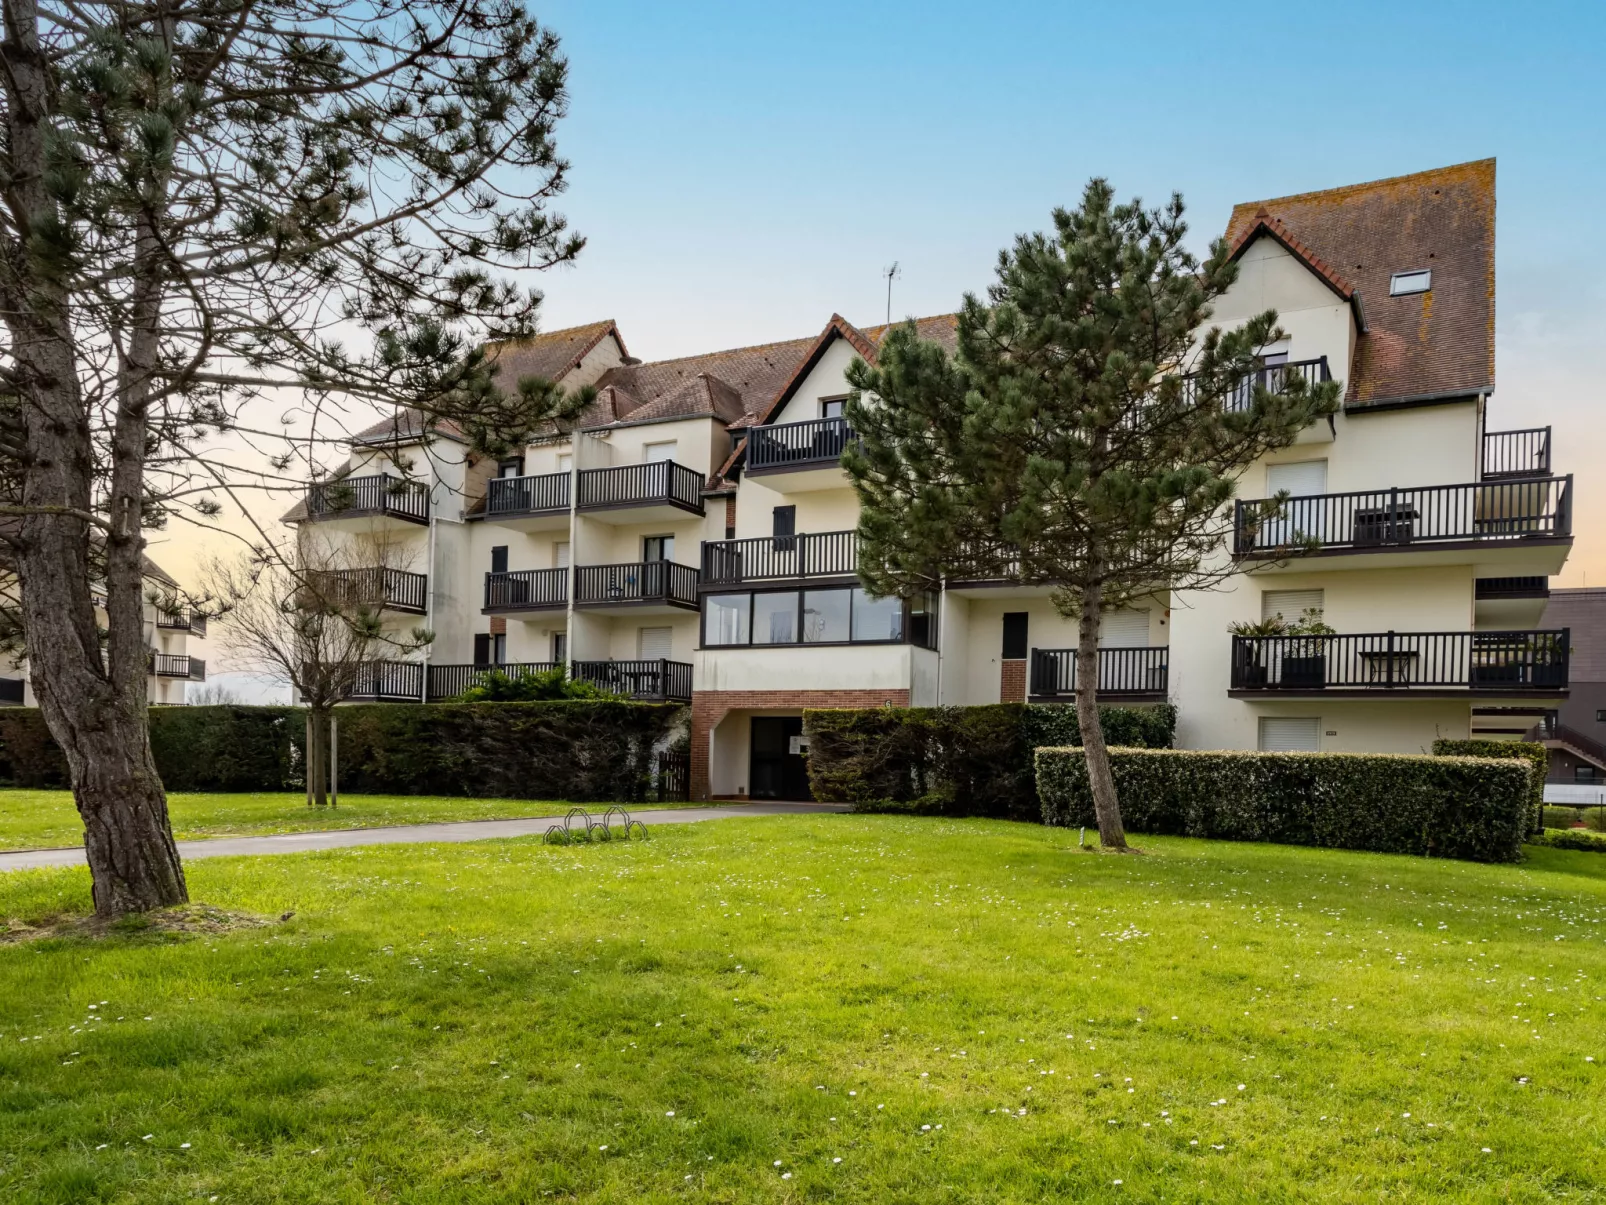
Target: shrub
{"points": [[1536, 755], [1448, 807], [530, 686], [1571, 838], [577, 750], [954, 761]]}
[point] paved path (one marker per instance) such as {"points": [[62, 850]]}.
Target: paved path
{"points": [[410, 834]]}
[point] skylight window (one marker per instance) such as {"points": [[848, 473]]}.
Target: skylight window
{"points": [[1419, 281]]}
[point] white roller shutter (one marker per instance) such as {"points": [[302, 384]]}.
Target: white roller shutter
{"points": [[654, 644], [1290, 604], [1290, 734], [1301, 479], [1124, 629]]}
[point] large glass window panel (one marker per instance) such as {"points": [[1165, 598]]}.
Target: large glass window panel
{"points": [[825, 616], [923, 620], [775, 618], [725, 618], [876, 618]]}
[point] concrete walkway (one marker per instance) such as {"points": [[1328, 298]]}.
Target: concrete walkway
{"points": [[411, 834]]}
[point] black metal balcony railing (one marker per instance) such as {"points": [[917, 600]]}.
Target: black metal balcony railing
{"points": [[1402, 661], [190, 621], [1511, 587], [527, 590], [388, 682], [1366, 519], [1524, 453], [774, 558], [651, 681], [390, 589], [658, 482], [635, 582], [1272, 377], [379, 494], [177, 665], [810, 444], [1122, 671], [449, 681], [527, 495]]}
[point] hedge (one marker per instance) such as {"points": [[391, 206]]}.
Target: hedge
{"points": [[572, 750], [1447, 807], [1536, 755], [955, 761], [1571, 838]]}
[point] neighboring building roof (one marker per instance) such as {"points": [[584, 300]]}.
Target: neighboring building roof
{"points": [[404, 426], [551, 355], [1422, 345]]}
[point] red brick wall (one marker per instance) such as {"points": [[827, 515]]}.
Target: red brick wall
{"points": [[709, 707], [1012, 680], [498, 625]]}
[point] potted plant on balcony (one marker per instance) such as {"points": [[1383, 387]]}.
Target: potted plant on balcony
{"points": [[1299, 649], [1305, 654], [1249, 663]]}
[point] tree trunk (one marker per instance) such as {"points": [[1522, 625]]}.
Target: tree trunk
{"points": [[1105, 804]]}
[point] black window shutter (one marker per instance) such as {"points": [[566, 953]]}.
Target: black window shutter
{"points": [[785, 521], [1015, 635], [482, 648], [499, 559]]}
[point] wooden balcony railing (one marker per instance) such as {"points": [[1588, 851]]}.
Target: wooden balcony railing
{"points": [[192, 622], [810, 444], [388, 682], [177, 665], [527, 495], [379, 494], [1492, 511], [651, 681], [390, 589], [1523, 453], [656, 483], [1272, 377], [527, 590], [635, 582], [779, 558], [449, 681], [1132, 672], [1403, 661]]}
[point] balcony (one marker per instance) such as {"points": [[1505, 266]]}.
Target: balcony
{"points": [[381, 496], [381, 589], [177, 665], [449, 681], [641, 493], [650, 586], [192, 622], [387, 682], [779, 558], [1415, 664], [1513, 525], [810, 453], [527, 590], [648, 681], [1271, 377], [539, 503], [1125, 674], [1486, 589], [1510, 455]]}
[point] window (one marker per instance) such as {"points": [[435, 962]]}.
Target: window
{"points": [[490, 649], [876, 618], [775, 618], [1290, 734], [499, 559], [658, 548], [825, 616], [1418, 281], [725, 618], [498, 648], [565, 461], [560, 647], [658, 451], [784, 519], [1302, 478], [1126, 628], [1290, 604], [831, 407], [1582, 773], [560, 554], [923, 621], [1600, 715], [513, 466], [1014, 636], [654, 644]]}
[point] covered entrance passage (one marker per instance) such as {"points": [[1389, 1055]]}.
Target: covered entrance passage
{"points": [[777, 766]]}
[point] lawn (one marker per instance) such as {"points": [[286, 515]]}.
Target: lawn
{"points": [[43, 819], [820, 1008]]}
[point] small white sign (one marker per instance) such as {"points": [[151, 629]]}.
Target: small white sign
{"points": [[797, 745]]}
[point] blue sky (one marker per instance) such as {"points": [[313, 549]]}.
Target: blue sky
{"points": [[743, 170]]}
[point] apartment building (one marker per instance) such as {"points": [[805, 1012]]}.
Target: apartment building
{"points": [[170, 634], [1575, 732], [691, 538]]}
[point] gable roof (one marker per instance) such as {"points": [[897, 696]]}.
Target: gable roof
{"points": [[1437, 344], [551, 355], [750, 374]]}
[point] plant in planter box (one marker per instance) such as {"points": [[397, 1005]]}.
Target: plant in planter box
{"points": [[1299, 649]]}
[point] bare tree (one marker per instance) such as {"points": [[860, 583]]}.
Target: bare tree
{"points": [[317, 624], [210, 203]]}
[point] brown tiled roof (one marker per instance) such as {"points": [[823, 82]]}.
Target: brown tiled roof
{"points": [[1266, 224], [404, 425], [754, 374], [1436, 343], [703, 395], [551, 354]]}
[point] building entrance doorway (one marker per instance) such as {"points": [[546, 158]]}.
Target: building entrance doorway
{"points": [[777, 767]]}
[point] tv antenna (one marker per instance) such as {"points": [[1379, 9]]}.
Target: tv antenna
{"points": [[892, 273]]}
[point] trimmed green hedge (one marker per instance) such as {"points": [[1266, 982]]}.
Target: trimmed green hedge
{"points": [[955, 761], [1571, 838], [578, 750], [1535, 754], [1446, 807]]}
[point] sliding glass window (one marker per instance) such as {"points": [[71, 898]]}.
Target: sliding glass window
{"points": [[833, 615]]}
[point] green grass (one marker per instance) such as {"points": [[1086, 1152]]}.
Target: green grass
{"points": [[45, 819], [697, 1017]]}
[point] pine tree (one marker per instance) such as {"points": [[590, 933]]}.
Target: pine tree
{"points": [[1087, 433]]}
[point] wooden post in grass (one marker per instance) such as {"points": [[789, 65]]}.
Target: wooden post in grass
{"points": [[306, 760]]}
